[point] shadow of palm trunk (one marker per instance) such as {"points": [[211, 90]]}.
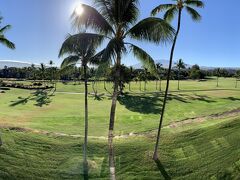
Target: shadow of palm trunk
{"points": [[1, 143], [162, 169], [85, 170]]}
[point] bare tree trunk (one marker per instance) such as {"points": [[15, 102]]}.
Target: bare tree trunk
{"points": [[155, 155], [85, 162]]}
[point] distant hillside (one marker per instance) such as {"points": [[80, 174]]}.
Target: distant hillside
{"points": [[17, 64]]}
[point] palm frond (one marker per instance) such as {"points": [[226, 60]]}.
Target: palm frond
{"points": [[194, 3], [146, 60], [82, 43], [194, 14], [162, 7], [114, 47], [6, 42], [70, 61], [122, 12], [152, 29], [169, 14], [5, 28], [91, 18]]}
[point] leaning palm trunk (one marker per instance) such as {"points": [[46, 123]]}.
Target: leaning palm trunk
{"points": [[111, 126], [155, 155], [85, 163]]}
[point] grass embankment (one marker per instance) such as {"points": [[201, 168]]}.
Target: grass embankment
{"points": [[209, 151]]}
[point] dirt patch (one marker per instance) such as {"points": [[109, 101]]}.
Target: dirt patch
{"points": [[205, 118], [149, 133]]}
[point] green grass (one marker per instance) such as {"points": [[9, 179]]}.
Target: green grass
{"points": [[199, 153], [135, 112], [206, 150]]}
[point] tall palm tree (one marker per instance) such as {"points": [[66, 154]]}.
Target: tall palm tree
{"points": [[3, 39], [218, 71], [180, 65], [5, 42], [159, 69], [81, 48], [116, 20], [170, 11]]}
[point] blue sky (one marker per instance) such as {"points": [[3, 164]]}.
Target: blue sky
{"points": [[40, 26]]}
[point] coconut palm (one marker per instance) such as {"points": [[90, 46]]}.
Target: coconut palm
{"points": [[180, 65], [159, 69], [170, 11], [116, 20], [218, 71], [81, 48], [5, 42], [3, 39]]}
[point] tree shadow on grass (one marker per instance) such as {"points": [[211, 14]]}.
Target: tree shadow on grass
{"points": [[141, 103], [41, 97], [232, 99], [162, 170]]}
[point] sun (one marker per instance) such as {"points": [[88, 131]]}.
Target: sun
{"points": [[79, 9]]}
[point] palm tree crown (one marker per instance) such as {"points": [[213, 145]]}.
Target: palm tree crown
{"points": [[116, 20], [3, 39], [172, 9], [180, 64]]}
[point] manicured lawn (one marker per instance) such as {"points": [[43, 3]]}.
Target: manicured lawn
{"points": [[135, 112], [206, 152], [200, 150]]}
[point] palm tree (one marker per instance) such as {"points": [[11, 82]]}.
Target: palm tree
{"points": [[116, 20], [159, 69], [42, 72], [3, 39], [180, 65], [81, 48], [5, 42], [237, 76], [170, 11], [218, 71]]}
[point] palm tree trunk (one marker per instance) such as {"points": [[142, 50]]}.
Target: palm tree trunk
{"points": [[236, 83], [156, 84], [85, 163], [140, 85], [145, 85], [178, 78], [160, 86], [155, 155], [129, 86], [111, 123]]}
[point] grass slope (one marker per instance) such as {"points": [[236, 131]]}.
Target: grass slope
{"points": [[209, 152]]}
